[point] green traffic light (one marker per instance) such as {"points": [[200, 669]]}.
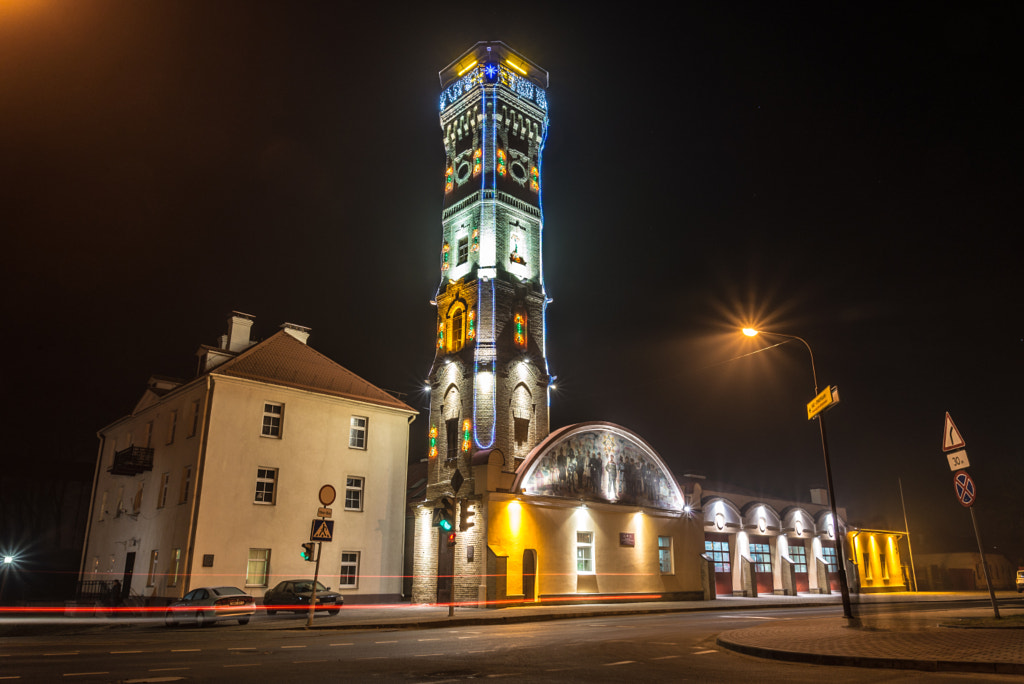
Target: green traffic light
{"points": [[445, 524]]}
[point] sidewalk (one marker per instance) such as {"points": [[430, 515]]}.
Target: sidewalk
{"points": [[904, 641]]}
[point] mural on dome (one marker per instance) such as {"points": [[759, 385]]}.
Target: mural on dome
{"points": [[600, 465]]}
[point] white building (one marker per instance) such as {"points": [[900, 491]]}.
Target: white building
{"points": [[216, 481]]}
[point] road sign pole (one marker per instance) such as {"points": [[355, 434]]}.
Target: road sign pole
{"points": [[984, 565], [844, 586], [316, 575]]}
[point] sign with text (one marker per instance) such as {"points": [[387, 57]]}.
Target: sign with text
{"points": [[826, 399], [627, 539], [958, 460]]}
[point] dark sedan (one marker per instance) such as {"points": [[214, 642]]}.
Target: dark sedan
{"points": [[206, 605], [295, 594]]}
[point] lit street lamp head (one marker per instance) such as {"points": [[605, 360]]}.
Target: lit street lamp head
{"points": [[749, 332]]}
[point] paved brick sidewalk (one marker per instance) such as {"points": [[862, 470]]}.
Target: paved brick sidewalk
{"points": [[914, 641]]}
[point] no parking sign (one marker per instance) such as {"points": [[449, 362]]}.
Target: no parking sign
{"points": [[963, 485]]}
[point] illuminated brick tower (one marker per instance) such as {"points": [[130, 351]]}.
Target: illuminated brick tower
{"points": [[489, 380]]}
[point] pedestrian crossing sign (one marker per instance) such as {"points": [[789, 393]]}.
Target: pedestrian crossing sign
{"points": [[322, 530]]}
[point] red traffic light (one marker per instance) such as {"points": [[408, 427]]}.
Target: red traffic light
{"points": [[451, 540]]}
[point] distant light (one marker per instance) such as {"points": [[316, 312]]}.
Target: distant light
{"points": [[749, 332], [554, 387], [426, 387], [8, 560]]}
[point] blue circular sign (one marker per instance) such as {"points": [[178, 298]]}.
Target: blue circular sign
{"points": [[963, 485]]}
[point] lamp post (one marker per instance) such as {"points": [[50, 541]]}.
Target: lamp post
{"points": [[5, 564], [844, 586]]}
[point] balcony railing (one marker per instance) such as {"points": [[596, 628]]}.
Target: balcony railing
{"points": [[132, 461]]}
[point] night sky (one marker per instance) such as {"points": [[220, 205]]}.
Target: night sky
{"points": [[845, 172]]}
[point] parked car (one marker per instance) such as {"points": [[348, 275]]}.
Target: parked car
{"points": [[1020, 580], [206, 605], [295, 594]]}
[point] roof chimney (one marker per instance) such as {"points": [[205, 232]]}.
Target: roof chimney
{"points": [[239, 327], [819, 496], [299, 332]]}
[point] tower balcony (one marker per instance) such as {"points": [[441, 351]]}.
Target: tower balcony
{"points": [[132, 461]]}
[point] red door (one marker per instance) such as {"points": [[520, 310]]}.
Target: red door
{"points": [[761, 555], [716, 547], [798, 554]]}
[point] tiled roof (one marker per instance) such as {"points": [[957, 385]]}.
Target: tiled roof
{"points": [[283, 360]]}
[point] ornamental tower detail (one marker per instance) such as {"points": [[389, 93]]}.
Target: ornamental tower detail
{"points": [[489, 381]]}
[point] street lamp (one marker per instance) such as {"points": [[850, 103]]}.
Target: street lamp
{"points": [[844, 587], [8, 562]]}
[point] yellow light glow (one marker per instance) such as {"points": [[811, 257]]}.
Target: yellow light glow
{"points": [[468, 68], [515, 66], [749, 332], [515, 518]]}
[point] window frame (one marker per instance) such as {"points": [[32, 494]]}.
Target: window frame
{"points": [[358, 434], [831, 558], [186, 484], [354, 574], [254, 561], [761, 556], [172, 425], [175, 568], [359, 489], [799, 560], [665, 553], [154, 558], [586, 546], [274, 428], [265, 475], [165, 485], [194, 427]]}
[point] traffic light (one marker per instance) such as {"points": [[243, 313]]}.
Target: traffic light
{"points": [[466, 514], [451, 540], [307, 551], [447, 519]]}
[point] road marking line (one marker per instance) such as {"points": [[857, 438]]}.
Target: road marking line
{"points": [[295, 646], [664, 643], [10, 676], [705, 652], [621, 662], [386, 642], [296, 662], [186, 650], [242, 648], [244, 665], [167, 669], [428, 640], [371, 658], [60, 653], [469, 637], [116, 652], [345, 644], [82, 674], [665, 657], [427, 655]]}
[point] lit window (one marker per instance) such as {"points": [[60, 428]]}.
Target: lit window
{"points": [[186, 484], [357, 432], [272, 415], [867, 566], [828, 554], [161, 499], [151, 578], [585, 552], [175, 568], [354, 494], [885, 566], [718, 552], [256, 568], [762, 557], [349, 576], [798, 555], [463, 251], [266, 485], [665, 555]]}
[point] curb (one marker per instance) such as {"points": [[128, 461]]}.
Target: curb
{"points": [[867, 661]]}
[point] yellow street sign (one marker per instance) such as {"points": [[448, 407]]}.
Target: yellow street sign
{"points": [[826, 399]]}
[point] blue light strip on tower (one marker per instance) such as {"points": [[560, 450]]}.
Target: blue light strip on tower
{"points": [[488, 125]]}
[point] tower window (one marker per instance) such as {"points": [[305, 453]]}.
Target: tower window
{"points": [[452, 438], [463, 251]]}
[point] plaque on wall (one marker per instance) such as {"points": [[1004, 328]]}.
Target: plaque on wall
{"points": [[627, 539]]}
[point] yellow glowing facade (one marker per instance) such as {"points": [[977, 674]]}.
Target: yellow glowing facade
{"points": [[876, 556]]}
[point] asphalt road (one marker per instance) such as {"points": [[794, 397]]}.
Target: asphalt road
{"points": [[636, 648]]}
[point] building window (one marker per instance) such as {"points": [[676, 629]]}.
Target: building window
{"points": [[137, 501], [798, 555], [175, 568], [272, 415], [453, 438], [354, 494], [194, 427], [665, 555], [762, 557], [257, 567], [867, 566], [151, 578], [357, 432], [828, 554], [103, 507], [186, 484], [585, 552], [172, 424], [718, 552], [349, 576], [161, 498], [885, 566], [266, 485], [463, 251], [148, 441]]}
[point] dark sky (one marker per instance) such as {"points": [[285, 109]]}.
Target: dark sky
{"points": [[847, 172]]}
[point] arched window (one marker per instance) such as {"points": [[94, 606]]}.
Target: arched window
{"points": [[456, 327]]}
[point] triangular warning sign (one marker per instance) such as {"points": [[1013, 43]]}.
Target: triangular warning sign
{"points": [[951, 437]]}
